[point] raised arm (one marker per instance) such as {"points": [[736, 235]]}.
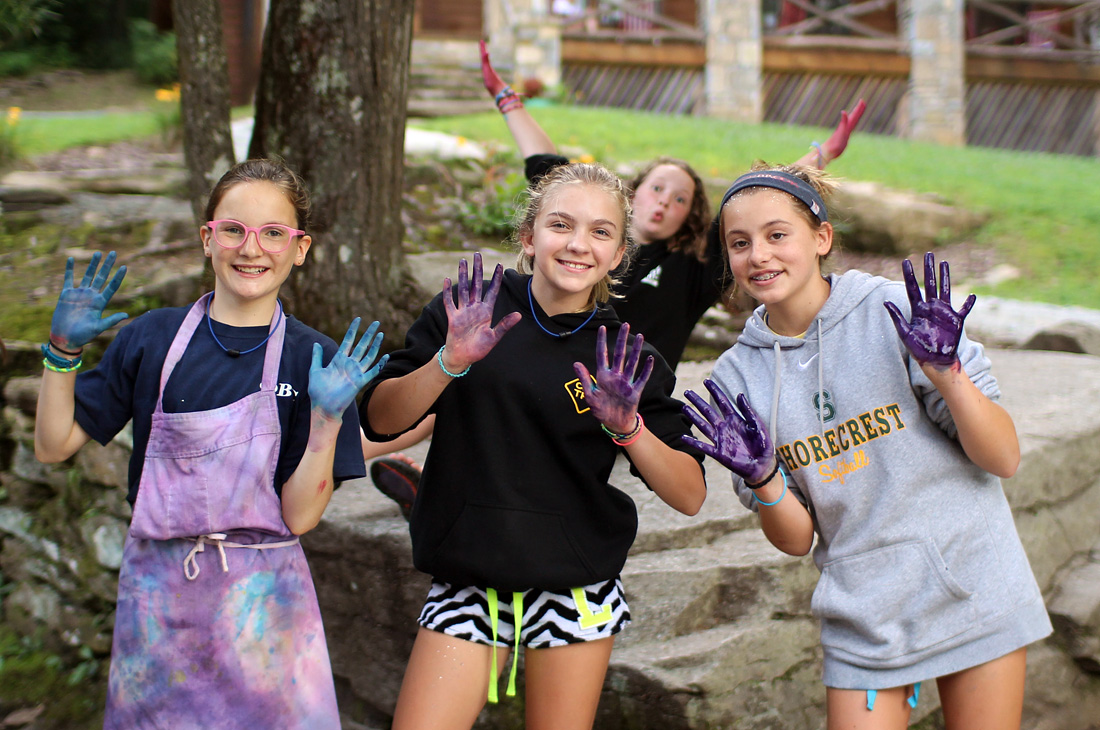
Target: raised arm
{"points": [[77, 320], [529, 136], [740, 442], [397, 403], [673, 475], [332, 389], [821, 155], [985, 430]]}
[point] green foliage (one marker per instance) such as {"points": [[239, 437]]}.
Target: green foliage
{"points": [[1040, 222], [21, 20], [72, 689], [488, 211], [154, 53]]}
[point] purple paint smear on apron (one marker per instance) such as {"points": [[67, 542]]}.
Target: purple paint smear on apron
{"points": [[217, 622]]}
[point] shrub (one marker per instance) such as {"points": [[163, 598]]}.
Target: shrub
{"points": [[154, 53]]}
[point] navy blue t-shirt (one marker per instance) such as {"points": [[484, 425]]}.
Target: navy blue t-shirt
{"points": [[124, 386]]}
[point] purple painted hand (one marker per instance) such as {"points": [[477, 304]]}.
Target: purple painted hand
{"points": [[614, 393], [740, 438], [838, 141], [332, 388], [78, 318], [932, 335], [470, 336]]}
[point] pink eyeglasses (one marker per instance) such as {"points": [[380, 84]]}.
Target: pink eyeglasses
{"points": [[273, 237]]}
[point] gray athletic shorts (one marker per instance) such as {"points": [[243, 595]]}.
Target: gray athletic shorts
{"points": [[549, 619]]}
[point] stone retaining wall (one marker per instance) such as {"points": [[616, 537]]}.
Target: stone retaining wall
{"points": [[722, 636]]}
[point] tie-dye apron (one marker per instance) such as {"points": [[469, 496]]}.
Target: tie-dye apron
{"points": [[217, 623]]}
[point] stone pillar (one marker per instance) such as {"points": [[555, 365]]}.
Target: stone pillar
{"points": [[937, 79], [538, 50], [526, 37], [735, 59]]}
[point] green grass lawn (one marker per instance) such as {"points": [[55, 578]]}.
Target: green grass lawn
{"points": [[1045, 209], [1045, 212]]}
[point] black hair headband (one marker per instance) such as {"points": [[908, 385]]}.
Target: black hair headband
{"points": [[779, 180]]}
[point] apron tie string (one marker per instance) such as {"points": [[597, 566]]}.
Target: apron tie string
{"points": [[218, 539]]}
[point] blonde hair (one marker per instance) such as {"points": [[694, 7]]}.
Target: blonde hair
{"points": [[576, 173]]}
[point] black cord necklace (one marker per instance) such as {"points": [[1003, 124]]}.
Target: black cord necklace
{"points": [[229, 350], [531, 301]]}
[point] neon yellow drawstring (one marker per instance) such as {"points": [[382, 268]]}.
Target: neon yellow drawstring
{"points": [[517, 616], [491, 594]]}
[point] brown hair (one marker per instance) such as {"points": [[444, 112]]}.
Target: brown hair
{"points": [[576, 173], [274, 171], [823, 183], [690, 238]]}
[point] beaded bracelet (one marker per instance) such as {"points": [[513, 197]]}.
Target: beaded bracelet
{"points": [[439, 356], [626, 439], [781, 496], [59, 364]]}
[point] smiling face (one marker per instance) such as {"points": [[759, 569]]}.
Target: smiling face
{"points": [[248, 278], [577, 238], [662, 202], [774, 255]]}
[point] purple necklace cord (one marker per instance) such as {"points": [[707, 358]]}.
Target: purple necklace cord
{"points": [[531, 301], [228, 350]]}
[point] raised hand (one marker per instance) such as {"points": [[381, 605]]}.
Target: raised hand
{"points": [[493, 83], [332, 388], [838, 141], [614, 394], [740, 438], [470, 336], [78, 318], [933, 333]]}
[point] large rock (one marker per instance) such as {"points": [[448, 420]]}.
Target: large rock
{"points": [[722, 634], [880, 220]]}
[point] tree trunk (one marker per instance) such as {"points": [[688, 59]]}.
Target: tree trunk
{"points": [[204, 97], [331, 102]]}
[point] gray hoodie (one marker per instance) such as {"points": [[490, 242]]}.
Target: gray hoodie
{"points": [[922, 572]]}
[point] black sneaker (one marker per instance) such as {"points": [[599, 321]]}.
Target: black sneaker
{"points": [[397, 480]]}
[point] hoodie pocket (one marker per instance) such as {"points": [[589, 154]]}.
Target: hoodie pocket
{"points": [[511, 549], [890, 603]]}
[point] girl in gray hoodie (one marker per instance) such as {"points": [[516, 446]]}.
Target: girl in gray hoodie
{"points": [[886, 440]]}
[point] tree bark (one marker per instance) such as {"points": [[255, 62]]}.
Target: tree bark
{"points": [[331, 102], [204, 97]]}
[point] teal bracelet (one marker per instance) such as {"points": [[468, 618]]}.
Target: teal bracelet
{"points": [[781, 496], [439, 357], [59, 364]]}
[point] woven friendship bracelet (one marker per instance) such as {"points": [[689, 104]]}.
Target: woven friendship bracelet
{"points": [[765, 480], [626, 439]]}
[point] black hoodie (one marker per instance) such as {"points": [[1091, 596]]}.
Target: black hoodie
{"points": [[514, 493]]}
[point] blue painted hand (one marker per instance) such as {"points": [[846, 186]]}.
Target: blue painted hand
{"points": [[78, 318], [333, 388], [740, 437]]}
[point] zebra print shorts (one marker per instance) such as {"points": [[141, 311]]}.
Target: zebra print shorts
{"points": [[549, 619]]}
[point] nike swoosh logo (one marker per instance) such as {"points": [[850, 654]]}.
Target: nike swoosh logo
{"points": [[806, 364]]}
